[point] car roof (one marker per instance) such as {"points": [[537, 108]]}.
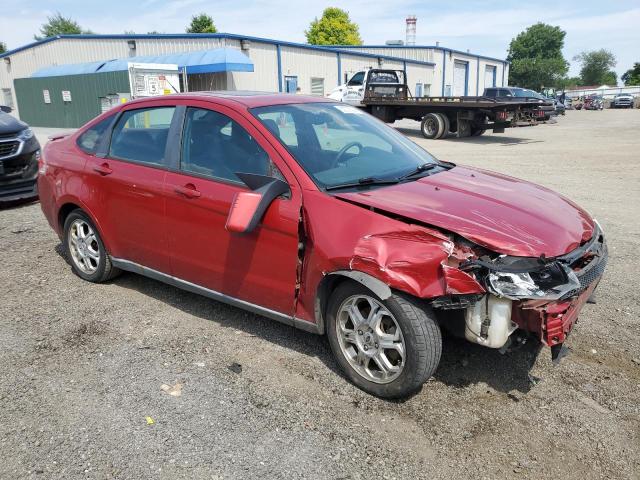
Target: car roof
{"points": [[248, 99]]}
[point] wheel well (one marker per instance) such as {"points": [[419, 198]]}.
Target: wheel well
{"points": [[326, 287], [330, 282], [64, 212]]}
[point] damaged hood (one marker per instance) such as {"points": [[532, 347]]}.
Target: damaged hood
{"points": [[501, 213]]}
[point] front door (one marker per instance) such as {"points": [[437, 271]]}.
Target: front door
{"points": [[259, 267]]}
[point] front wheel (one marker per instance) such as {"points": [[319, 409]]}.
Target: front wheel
{"points": [[388, 348]]}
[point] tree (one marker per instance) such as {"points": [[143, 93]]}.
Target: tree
{"points": [[59, 25], [334, 28], [569, 83], [202, 23], [596, 67], [536, 57], [3, 47], [632, 76]]}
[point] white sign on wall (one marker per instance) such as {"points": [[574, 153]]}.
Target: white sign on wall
{"points": [[66, 96], [47, 96]]}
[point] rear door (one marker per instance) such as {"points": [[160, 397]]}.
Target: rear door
{"points": [[259, 267], [127, 186]]}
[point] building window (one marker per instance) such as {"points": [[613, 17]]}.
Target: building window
{"points": [[7, 98], [317, 86]]}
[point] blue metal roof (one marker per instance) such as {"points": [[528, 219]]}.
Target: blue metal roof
{"points": [[202, 61]]}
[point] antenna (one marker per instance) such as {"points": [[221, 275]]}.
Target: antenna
{"points": [[411, 29]]}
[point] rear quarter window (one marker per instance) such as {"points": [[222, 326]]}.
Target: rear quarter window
{"points": [[88, 142]]}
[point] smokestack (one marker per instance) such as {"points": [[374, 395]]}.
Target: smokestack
{"points": [[411, 30]]}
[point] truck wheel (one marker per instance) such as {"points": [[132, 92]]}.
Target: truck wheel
{"points": [[388, 348], [464, 128], [446, 125], [431, 126], [85, 250]]}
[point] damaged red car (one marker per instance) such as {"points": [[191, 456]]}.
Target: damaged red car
{"points": [[318, 215]]}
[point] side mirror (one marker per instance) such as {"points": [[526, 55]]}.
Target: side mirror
{"points": [[5, 109], [248, 208]]}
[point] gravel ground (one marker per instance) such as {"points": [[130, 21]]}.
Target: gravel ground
{"points": [[83, 366]]}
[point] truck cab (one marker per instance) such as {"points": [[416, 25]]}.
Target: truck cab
{"points": [[354, 90]]}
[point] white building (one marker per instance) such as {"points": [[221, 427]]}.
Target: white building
{"points": [[278, 66]]}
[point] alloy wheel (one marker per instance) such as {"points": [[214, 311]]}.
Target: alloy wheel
{"points": [[370, 339], [84, 246]]}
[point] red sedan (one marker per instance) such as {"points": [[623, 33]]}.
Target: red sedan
{"points": [[316, 214]]}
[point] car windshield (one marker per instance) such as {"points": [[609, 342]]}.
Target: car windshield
{"points": [[340, 144]]}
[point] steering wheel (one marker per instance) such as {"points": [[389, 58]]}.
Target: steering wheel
{"points": [[344, 150]]}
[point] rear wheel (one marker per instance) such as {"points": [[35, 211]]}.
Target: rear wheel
{"points": [[446, 125], [84, 248], [388, 348], [432, 126]]}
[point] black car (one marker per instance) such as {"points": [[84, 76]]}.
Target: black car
{"points": [[505, 94], [19, 154]]}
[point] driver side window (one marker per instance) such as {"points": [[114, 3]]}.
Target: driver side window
{"points": [[356, 80], [216, 146]]}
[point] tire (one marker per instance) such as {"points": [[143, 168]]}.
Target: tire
{"points": [[85, 250], [476, 132], [402, 318], [431, 126], [446, 125], [464, 128]]}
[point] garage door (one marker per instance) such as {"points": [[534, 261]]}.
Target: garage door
{"points": [[489, 76], [459, 78]]}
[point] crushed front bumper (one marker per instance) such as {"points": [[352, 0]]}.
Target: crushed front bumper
{"points": [[552, 321]]}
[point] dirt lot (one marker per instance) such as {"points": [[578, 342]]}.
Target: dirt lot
{"points": [[83, 365]]}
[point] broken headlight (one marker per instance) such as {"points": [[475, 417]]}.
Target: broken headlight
{"points": [[548, 283]]}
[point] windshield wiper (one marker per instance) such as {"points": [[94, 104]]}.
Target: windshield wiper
{"points": [[425, 167], [364, 181]]}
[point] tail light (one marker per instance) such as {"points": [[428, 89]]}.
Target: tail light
{"points": [[538, 113], [502, 115]]}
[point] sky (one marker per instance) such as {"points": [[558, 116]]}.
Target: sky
{"points": [[483, 27]]}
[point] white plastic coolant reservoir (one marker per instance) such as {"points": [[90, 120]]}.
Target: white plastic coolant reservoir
{"points": [[488, 321]]}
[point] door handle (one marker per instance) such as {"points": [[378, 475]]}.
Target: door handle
{"points": [[189, 190], [103, 169]]}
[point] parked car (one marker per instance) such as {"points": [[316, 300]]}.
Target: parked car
{"points": [[19, 153], [517, 93], [316, 214], [593, 102], [622, 100]]}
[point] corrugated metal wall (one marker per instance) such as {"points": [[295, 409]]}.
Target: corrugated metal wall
{"points": [[307, 64], [265, 74], [84, 105]]}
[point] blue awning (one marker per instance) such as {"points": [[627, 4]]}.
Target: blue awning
{"points": [[202, 61]]}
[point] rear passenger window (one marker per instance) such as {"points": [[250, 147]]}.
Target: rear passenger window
{"points": [[141, 135], [90, 139], [216, 146]]}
